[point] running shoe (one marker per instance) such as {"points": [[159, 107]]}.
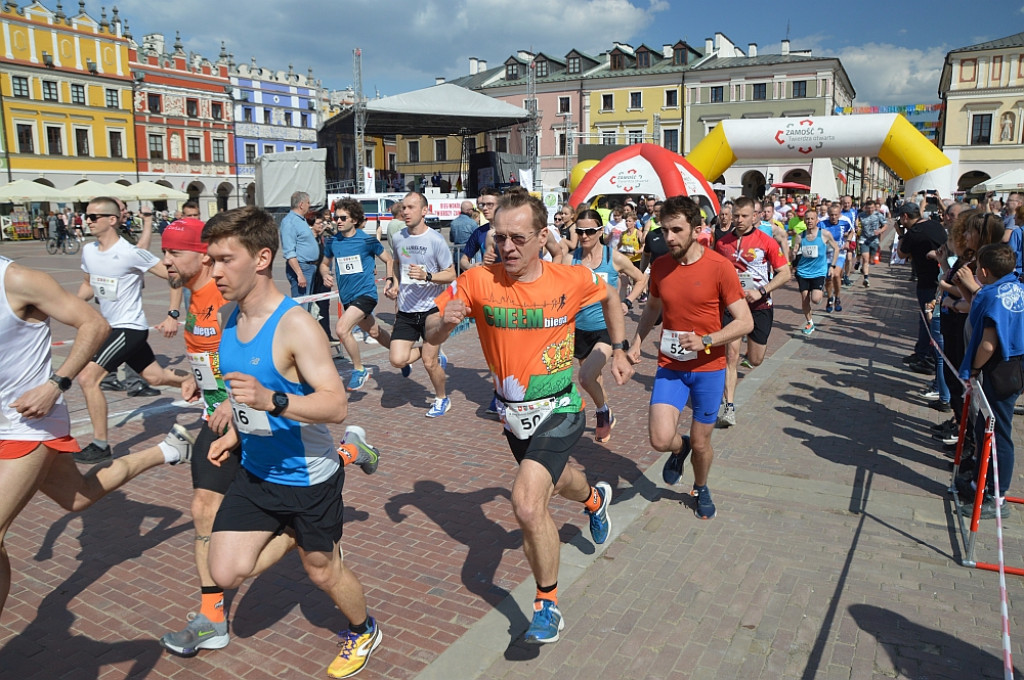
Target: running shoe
{"points": [[828, 305], [847, 281], [605, 423], [93, 454], [442, 358], [952, 437], [547, 621], [839, 305], [406, 370], [808, 328], [941, 406], [369, 340], [705, 507], [673, 470], [355, 651], [867, 284], [600, 523], [988, 509], [440, 407], [200, 633], [728, 417], [181, 441], [945, 425], [368, 456], [143, 390], [643, 298], [745, 363], [492, 409], [357, 380], [929, 394]]}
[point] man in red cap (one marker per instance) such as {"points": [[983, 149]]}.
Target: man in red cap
{"points": [[188, 266]]}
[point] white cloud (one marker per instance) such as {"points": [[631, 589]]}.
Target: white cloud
{"points": [[884, 74], [405, 43]]}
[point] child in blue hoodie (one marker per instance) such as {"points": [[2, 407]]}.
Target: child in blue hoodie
{"points": [[995, 352]]}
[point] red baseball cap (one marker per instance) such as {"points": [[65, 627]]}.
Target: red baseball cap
{"points": [[801, 210], [184, 234]]}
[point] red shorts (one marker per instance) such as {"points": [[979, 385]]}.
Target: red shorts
{"points": [[15, 448]]}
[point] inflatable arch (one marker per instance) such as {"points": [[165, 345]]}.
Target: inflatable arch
{"points": [[640, 169], [888, 136]]}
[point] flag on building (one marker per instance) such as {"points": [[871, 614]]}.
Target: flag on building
{"points": [[842, 177]]}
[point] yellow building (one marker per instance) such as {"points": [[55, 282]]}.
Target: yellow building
{"points": [[66, 97], [982, 123]]}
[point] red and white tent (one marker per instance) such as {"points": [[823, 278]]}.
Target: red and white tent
{"points": [[644, 169]]}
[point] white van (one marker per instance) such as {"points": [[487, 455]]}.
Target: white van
{"points": [[377, 209]]}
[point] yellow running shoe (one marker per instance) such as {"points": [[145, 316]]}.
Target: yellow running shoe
{"points": [[355, 651]]}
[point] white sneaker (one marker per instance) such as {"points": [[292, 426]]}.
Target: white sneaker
{"points": [[181, 441]]}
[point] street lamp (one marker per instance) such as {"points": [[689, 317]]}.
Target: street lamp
{"points": [[230, 92], [137, 80]]}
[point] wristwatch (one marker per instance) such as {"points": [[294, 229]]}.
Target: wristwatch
{"points": [[173, 313], [624, 346], [629, 303], [762, 291], [280, 403], [430, 277], [706, 339], [63, 384]]}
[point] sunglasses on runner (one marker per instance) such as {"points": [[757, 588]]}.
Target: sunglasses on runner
{"points": [[92, 217], [588, 232], [341, 218]]}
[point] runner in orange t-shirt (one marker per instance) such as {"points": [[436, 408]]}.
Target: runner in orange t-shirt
{"points": [[691, 290], [525, 309]]}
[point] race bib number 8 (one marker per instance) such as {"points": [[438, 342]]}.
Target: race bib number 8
{"points": [[249, 420], [104, 287], [408, 280], [671, 345]]}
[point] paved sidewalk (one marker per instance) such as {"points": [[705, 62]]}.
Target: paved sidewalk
{"points": [[833, 554]]}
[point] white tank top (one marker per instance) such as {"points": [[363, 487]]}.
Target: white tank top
{"points": [[24, 364]]}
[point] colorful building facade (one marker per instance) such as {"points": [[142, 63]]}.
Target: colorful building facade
{"points": [[184, 123], [67, 96]]}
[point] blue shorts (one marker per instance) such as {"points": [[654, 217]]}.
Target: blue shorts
{"points": [[703, 389]]}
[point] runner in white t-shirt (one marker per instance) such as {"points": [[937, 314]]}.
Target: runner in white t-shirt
{"points": [[114, 270]]}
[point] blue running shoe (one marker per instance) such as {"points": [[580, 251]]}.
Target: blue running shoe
{"points": [[440, 407], [443, 358], [547, 621], [673, 469], [600, 523], [406, 371], [705, 507], [357, 380]]}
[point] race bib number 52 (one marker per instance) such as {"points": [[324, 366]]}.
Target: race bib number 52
{"points": [[671, 345]]}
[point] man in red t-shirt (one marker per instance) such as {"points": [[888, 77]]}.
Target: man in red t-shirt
{"points": [[762, 267], [691, 290]]}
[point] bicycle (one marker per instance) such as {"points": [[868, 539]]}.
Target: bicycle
{"points": [[64, 242]]}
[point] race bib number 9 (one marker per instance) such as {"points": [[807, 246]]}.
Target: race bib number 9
{"points": [[104, 287], [351, 264], [671, 345], [202, 369], [249, 420]]}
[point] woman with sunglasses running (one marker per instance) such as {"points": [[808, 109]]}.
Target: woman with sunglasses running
{"points": [[593, 343]]}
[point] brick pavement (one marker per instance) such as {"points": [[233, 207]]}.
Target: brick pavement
{"points": [[832, 556]]}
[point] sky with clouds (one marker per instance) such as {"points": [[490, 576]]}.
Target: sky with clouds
{"points": [[892, 51]]}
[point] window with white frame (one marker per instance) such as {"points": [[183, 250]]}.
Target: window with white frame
{"points": [[156, 147], [440, 149], [26, 137], [607, 102], [218, 147], [636, 100], [54, 140], [563, 104], [82, 142], [115, 143], [672, 99], [414, 151]]}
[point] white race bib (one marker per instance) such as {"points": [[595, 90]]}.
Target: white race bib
{"points": [[350, 264], [809, 251], [603, 276], [408, 280], [202, 369], [671, 345], [249, 420], [523, 418], [104, 287], [747, 280]]}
